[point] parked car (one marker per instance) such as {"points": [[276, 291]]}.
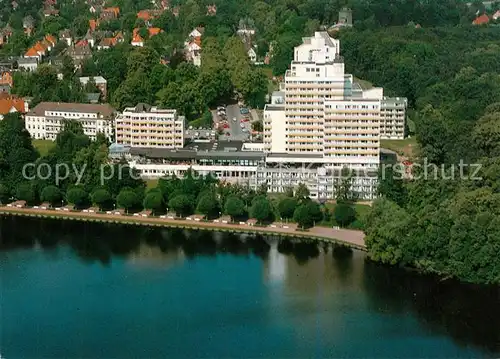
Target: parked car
{"points": [[234, 119], [242, 125], [244, 130], [244, 110], [221, 108]]}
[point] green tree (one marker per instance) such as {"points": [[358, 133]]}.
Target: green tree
{"points": [[287, 206], [4, 194], [26, 192], [154, 201], [207, 205], [127, 199], [101, 198], [51, 194], [234, 207], [77, 197], [302, 193], [261, 209], [254, 87], [344, 214], [181, 204]]}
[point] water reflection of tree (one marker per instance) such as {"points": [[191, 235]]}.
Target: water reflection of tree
{"points": [[469, 314], [303, 251]]}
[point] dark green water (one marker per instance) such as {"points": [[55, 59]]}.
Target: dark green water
{"points": [[73, 290]]}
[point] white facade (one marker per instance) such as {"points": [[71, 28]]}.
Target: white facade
{"points": [[322, 118], [47, 119], [322, 115], [150, 127], [392, 125]]}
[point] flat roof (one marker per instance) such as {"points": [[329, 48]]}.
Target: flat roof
{"points": [[290, 155]]}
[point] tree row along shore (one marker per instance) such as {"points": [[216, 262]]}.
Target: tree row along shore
{"points": [[350, 238]]}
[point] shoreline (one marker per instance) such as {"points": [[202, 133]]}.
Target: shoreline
{"points": [[351, 238]]}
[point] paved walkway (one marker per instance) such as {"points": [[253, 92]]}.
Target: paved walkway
{"points": [[350, 237]]}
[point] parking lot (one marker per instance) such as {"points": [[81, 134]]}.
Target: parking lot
{"points": [[236, 126]]}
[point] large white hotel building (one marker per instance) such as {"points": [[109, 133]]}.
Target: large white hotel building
{"points": [[319, 124]]}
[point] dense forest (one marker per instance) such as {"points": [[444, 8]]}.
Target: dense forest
{"points": [[448, 220]]}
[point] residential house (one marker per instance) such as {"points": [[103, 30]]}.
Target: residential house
{"points": [[41, 48], [95, 8], [47, 119], [246, 27], [252, 55], [29, 25], [79, 53], [109, 13], [211, 10], [15, 5], [5, 34], [110, 41], [6, 82], [100, 82], [496, 15], [65, 35], [27, 64], [50, 11], [90, 38], [137, 39], [481, 20], [11, 104], [149, 15], [192, 46], [193, 51]]}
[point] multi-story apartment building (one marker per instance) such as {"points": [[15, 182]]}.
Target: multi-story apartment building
{"points": [[47, 119], [393, 118], [149, 127], [324, 123]]}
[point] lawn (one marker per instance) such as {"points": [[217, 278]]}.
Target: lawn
{"points": [[43, 146], [406, 147], [151, 183]]}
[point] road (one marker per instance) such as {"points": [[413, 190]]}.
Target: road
{"points": [[235, 130]]}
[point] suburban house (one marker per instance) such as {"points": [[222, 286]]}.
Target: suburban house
{"points": [[28, 25], [79, 53], [137, 39], [6, 82], [65, 35], [41, 48], [11, 104], [109, 42], [100, 82], [50, 11], [27, 64], [109, 13], [246, 27], [5, 34], [252, 55], [192, 46], [148, 15], [481, 20]]}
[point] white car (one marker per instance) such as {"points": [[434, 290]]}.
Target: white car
{"points": [[234, 119], [242, 125], [244, 130]]}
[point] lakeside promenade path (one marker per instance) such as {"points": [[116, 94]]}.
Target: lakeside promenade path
{"points": [[352, 238]]}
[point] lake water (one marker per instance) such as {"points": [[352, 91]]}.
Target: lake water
{"points": [[74, 290]]}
